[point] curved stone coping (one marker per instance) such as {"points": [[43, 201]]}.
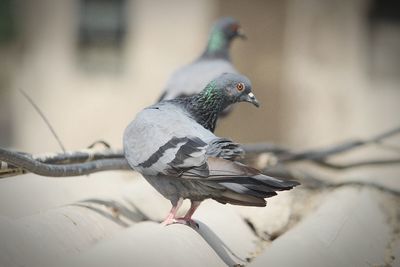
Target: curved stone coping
{"points": [[350, 228]]}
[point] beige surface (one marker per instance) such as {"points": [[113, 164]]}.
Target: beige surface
{"points": [[61, 233], [149, 244], [31, 193], [350, 228]]}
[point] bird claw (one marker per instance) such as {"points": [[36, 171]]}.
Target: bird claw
{"points": [[189, 222]]}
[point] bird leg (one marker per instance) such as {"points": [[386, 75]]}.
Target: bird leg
{"points": [[172, 214], [193, 207], [187, 219]]}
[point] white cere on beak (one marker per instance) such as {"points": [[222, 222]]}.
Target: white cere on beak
{"points": [[251, 94]]}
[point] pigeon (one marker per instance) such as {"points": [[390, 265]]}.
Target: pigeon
{"points": [[172, 145], [191, 79]]}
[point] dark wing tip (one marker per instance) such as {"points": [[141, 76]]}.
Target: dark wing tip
{"points": [[275, 183], [252, 190]]}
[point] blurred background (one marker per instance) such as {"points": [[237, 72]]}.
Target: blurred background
{"points": [[324, 71]]}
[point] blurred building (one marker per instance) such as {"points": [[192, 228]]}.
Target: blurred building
{"points": [[323, 70]]}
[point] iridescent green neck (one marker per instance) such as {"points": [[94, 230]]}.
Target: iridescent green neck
{"points": [[218, 45], [207, 105], [208, 94]]}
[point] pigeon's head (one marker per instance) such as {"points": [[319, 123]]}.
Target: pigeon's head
{"points": [[225, 90], [229, 28], [221, 36], [236, 88]]}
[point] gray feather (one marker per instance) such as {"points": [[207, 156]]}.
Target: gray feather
{"points": [[224, 148], [191, 79], [182, 159]]}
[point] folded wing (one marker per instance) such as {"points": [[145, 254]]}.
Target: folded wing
{"points": [[243, 185]]}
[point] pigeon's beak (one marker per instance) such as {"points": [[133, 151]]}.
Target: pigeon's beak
{"points": [[251, 98], [241, 34]]}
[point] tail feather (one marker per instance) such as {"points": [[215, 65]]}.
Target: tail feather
{"points": [[262, 181], [239, 184], [245, 185], [240, 199], [276, 183], [243, 189]]}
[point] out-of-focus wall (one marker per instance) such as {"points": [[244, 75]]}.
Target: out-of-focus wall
{"points": [[324, 71], [260, 57], [93, 94], [330, 92], [7, 65], [309, 62]]}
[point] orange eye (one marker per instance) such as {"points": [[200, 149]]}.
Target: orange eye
{"points": [[240, 87]]}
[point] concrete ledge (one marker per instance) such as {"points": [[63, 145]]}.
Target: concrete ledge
{"points": [[53, 237], [63, 232], [349, 229], [151, 244], [30, 193], [273, 219]]}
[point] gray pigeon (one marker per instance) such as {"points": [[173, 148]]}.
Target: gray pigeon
{"points": [[191, 79], [172, 145]]}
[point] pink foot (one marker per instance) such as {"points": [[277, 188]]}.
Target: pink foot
{"points": [[187, 219], [168, 221], [188, 222]]}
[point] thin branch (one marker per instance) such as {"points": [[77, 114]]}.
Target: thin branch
{"points": [[100, 142], [368, 184], [90, 161], [86, 162], [26, 162], [36, 107], [312, 181], [343, 166], [385, 135], [318, 154], [321, 154], [79, 156], [8, 170], [286, 155]]}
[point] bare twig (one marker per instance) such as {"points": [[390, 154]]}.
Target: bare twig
{"points": [[321, 154], [316, 182], [89, 161], [100, 142], [27, 162], [368, 184], [41, 114], [343, 166], [310, 181], [79, 156]]}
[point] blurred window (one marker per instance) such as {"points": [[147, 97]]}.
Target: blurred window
{"points": [[101, 34], [7, 26], [384, 28], [7, 36], [102, 22]]}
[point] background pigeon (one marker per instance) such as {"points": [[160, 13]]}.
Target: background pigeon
{"points": [[172, 146], [214, 61]]}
